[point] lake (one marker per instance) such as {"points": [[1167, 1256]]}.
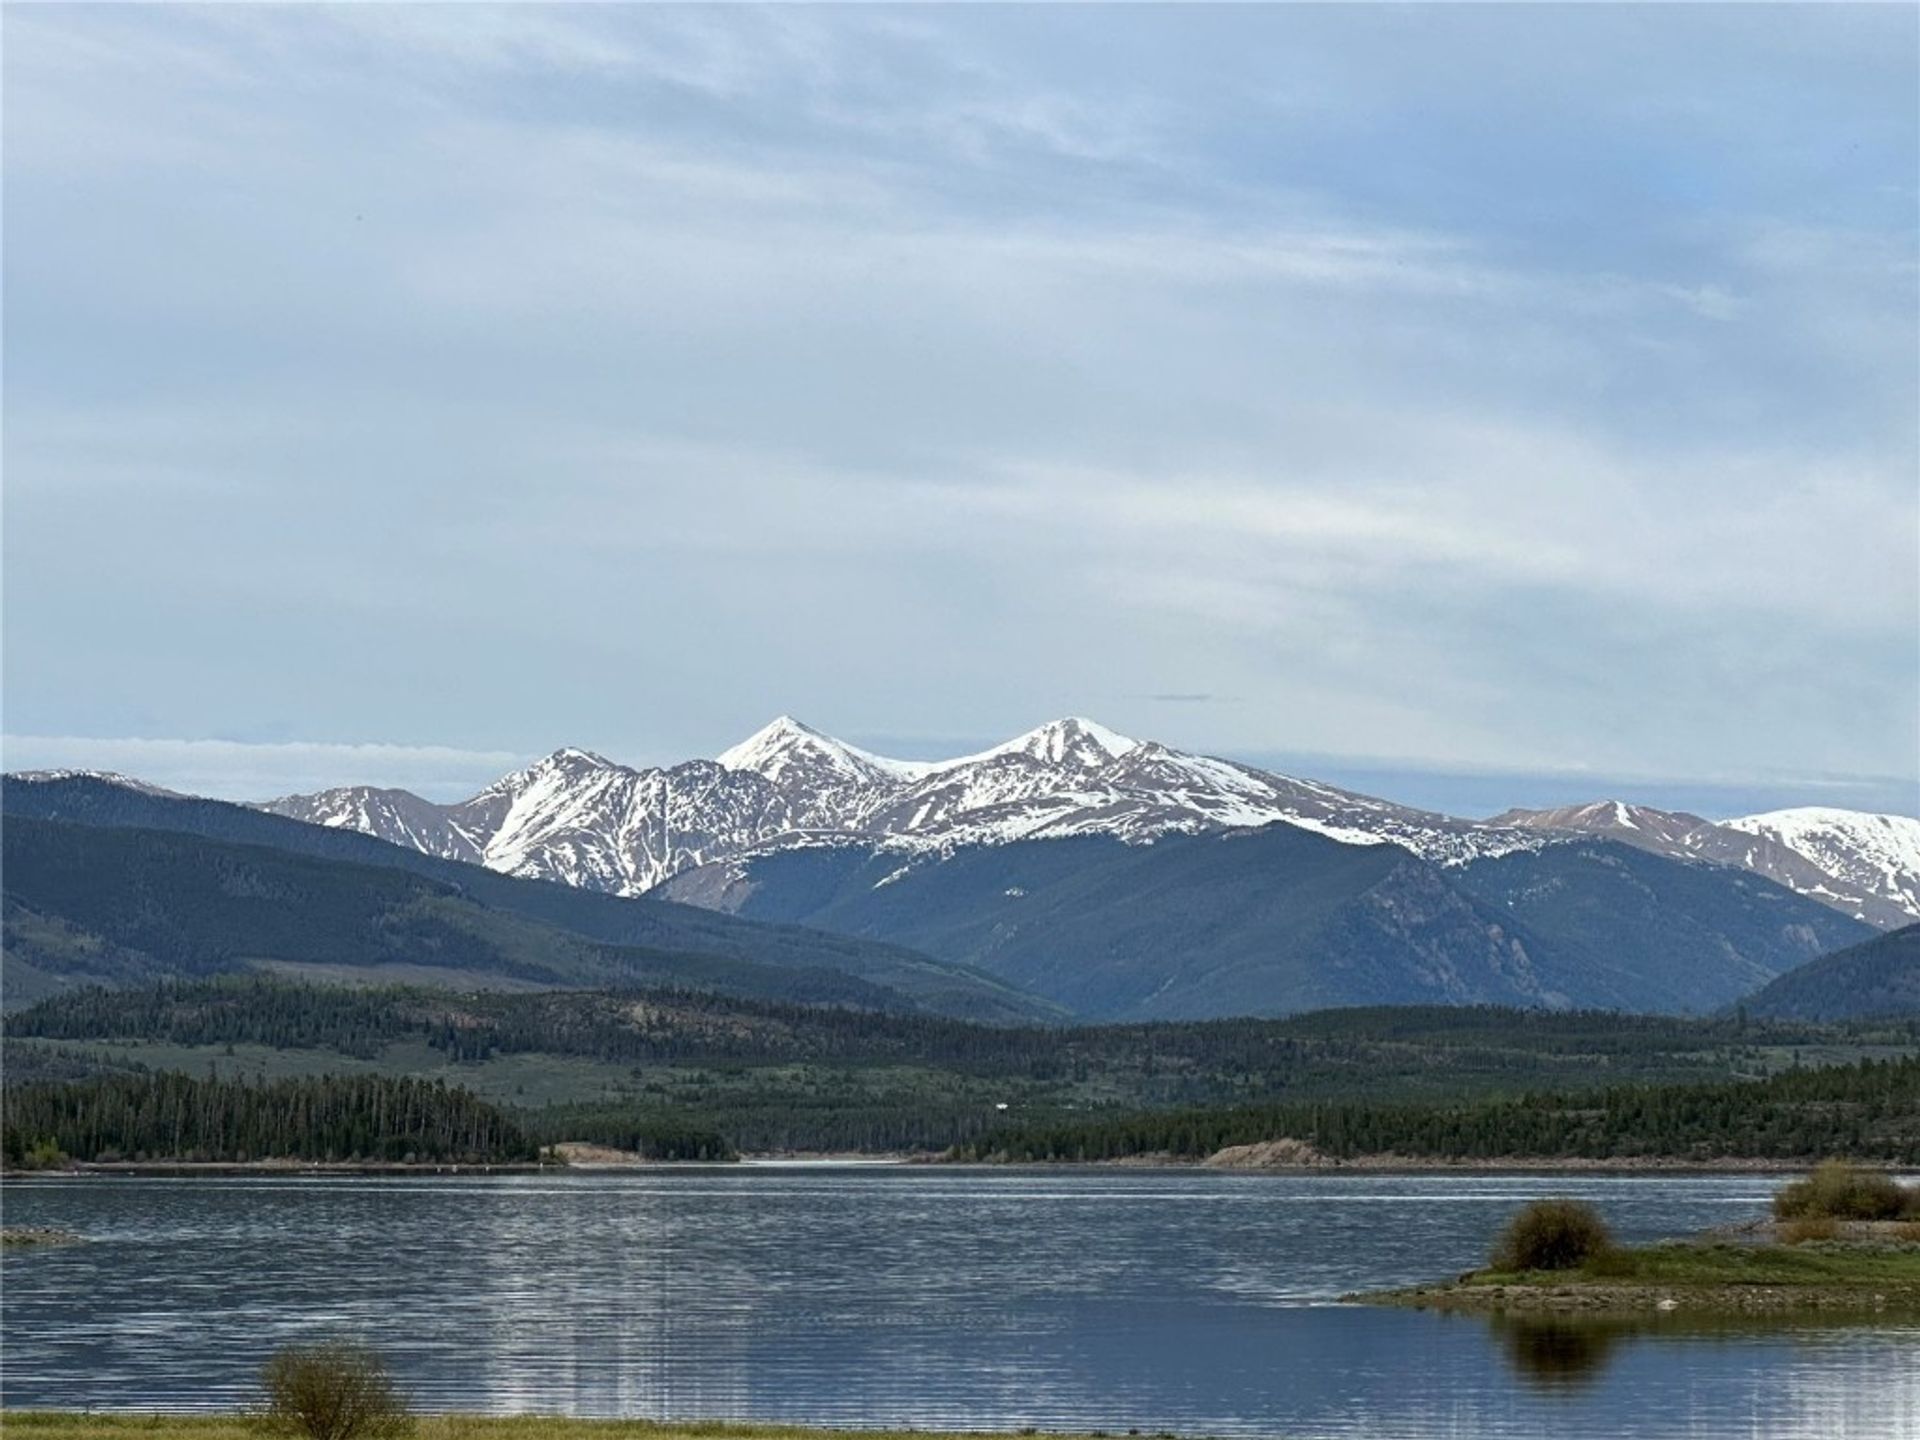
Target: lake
{"points": [[1178, 1300]]}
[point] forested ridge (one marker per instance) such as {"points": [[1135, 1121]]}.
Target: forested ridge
{"points": [[677, 1074], [185, 1118], [663, 1025], [1869, 1110]]}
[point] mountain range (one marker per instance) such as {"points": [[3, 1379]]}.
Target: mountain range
{"points": [[585, 820], [581, 819], [1070, 873]]}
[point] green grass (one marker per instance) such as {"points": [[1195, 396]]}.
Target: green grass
{"points": [[1749, 1282], [1829, 1266]]}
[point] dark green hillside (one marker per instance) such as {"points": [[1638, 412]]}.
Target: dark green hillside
{"points": [[84, 903], [647, 922], [1280, 920], [1880, 976], [1263, 922], [1668, 935], [1867, 1111]]}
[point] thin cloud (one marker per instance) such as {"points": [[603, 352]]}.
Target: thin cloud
{"points": [[253, 770]]}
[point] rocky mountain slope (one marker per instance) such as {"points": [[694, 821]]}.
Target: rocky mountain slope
{"points": [[1866, 866], [1876, 856], [585, 820]]}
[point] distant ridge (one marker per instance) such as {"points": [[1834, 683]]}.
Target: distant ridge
{"points": [[1878, 977], [607, 920]]}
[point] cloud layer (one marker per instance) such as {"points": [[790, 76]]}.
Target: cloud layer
{"points": [[1497, 387]]}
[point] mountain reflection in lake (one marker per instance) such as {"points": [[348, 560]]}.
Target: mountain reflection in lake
{"points": [[992, 1299]]}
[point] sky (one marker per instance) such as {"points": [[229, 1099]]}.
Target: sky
{"points": [[1476, 405]]}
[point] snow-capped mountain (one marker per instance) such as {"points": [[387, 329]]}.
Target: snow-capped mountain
{"points": [[585, 820], [1865, 865], [1876, 855], [580, 818], [575, 817]]}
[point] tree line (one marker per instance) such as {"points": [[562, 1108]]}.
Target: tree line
{"points": [[172, 1116], [1869, 1110]]}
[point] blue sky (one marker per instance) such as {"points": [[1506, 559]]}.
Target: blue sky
{"points": [[1468, 403]]}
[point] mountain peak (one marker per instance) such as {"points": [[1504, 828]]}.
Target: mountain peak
{"points": [[1592, 815], [785, 748], [1072, 739], [574, 755], [570, 760], [781, 731]]}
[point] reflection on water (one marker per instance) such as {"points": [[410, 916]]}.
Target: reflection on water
{"points": [[1193, 1302], [1558, 1351]]}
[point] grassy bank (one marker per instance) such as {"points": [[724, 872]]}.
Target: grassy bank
{"points": [[1842, 1239], [71, 1425], [1840, 1276]]}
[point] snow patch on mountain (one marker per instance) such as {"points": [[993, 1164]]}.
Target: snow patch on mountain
{"points": [[788, 750], [1866, 865], [1875, 854]]}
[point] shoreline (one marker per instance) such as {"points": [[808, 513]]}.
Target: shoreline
{"points": [[1361, 1165], [1602, 1300], [1422, 1165]]}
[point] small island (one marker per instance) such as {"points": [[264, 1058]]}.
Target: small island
{"points": [[1841, 1240], [22, 1236]]}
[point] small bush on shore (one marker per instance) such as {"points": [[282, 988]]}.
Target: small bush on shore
{"points": [[1838, 1191], [1552, 1235], [336, 1390]]}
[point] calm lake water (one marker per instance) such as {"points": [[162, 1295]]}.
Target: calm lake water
{"points": [[988, 1299]]}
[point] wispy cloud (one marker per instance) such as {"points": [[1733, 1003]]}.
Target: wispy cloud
{"points": [[251, 770]]}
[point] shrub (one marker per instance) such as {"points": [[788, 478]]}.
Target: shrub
{"points": [[333, 1391], [1838, 1191], [1551, 1235], [1809, 1227]]}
